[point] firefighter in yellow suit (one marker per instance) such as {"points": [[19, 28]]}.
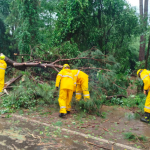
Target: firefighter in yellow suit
{"points": [[145, 76], [67, 83], [81, 79], [3, 67]]}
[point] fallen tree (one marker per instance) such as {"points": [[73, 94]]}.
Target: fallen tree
{"points": [[24, 65], [100, 68]]}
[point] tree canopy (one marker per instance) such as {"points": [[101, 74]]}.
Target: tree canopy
{"points": [[65, 28]]}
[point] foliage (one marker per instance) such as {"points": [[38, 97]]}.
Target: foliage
{"points": [[106, 33], [63, 29], [92, 106], [132, 101], [66, 50], [29, 94], [4, 40], [98, 24], [27, 32], [133, 137], [45, 92]]}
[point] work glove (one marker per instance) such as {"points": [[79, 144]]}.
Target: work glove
{"points": [[57, 88]]}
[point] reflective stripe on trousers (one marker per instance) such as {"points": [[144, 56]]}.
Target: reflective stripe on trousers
{"points": [[147, 107], [62, 107], [2, 68], [78, 93]]}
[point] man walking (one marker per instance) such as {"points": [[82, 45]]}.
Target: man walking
{"points": [[66, 80], [3, 67]]}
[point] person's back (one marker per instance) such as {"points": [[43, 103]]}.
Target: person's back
{"points": [[80, 75], [67, 81], [81, 79]]}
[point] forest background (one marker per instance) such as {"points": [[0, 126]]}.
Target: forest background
{"points": [[107, 39]]}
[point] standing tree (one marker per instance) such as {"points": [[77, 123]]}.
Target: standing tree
{"points": [[143, 27], [27, 32], [109, 25], [4, 11]]}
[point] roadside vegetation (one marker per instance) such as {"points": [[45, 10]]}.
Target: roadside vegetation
{"points": [[101, 38]]}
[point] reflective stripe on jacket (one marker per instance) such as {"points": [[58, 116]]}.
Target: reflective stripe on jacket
{"points": [[3, 67], [79, 76]]}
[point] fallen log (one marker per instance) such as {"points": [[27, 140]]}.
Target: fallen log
{"points": [[5, 91], [117, 96], [22, 66], [11, 81]]}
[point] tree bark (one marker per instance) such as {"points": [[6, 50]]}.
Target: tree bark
{"points": [[142, 50], [23, 66], [147, 53], [144, 24]]}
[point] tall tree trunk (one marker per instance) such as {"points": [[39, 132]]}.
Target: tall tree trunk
{"points": [[145, 12], [141, 51], [147, 53], [99, 15], [145, 22], [143, 26]]}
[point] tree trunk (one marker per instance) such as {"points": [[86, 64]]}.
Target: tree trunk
{"points": [[143, 26], [147, 53], [145, 22], [142, 50], [24, 65]]}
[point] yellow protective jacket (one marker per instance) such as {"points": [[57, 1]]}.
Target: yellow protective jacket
{"points": [[79, 76], [3, 67], [67, 79], [145, 76]]}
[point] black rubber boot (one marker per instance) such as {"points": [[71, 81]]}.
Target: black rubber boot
{"points": [[146, 118], [62, 115], [68, 112]]}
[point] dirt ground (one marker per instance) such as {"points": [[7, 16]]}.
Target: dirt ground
{"points": [[116, 122], [20, 134], [132, 89], [17, 133]]}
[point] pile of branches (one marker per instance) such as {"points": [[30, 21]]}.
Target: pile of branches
{"points": [[92, 61]]}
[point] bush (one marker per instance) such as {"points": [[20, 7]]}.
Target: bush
{"points": [[91, 106], [29, 94], [133, 137], [135, 101]]}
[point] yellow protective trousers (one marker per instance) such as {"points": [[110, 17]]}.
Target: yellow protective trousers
{"points": [[3, 66], [82, 88], [1, 85], [64, 100], [147, 103]]}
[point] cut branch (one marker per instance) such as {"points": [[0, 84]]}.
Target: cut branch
{"points": [[117, 96], [23, 66], [99, 60], [11, 81]]}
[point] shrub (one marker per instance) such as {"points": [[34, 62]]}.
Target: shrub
{"points": [[133, 137], [29, 94]]}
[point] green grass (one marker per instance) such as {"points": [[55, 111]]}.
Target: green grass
{"points": [[133, 137]]}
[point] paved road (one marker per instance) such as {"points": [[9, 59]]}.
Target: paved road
{"points": [[18, 134]]}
